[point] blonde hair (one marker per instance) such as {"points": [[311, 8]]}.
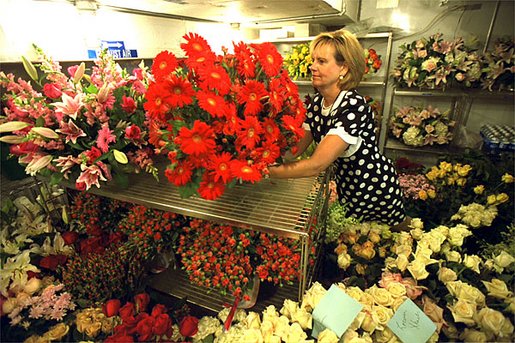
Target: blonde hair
{"points": [[348, 51]]}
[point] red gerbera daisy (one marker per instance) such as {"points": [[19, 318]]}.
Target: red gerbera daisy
{"points": [[271, 130], [276, 97], [180, 175], [249, 132], [244, 171], [269, 58], [199, 140], [231, 124], [211, 103], [181, 91], [291, 124], [250, 95], [155, 134], [210, 189], [246, 66], [164, 64], [220, 165], [195, 45], [156, 106], [267, 153], [215, 78]]}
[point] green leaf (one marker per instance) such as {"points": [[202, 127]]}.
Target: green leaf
{"points": [[121, 180], [29, 68], [40, 121], [187, 190], [56, 178]]}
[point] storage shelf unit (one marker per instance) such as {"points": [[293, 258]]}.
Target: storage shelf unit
{"points": [[285, 207]]}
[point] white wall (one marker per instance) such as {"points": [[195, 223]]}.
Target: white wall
{"points": [[65, 34]]}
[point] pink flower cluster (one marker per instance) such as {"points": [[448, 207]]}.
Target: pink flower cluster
{"points": [[412, 184]]}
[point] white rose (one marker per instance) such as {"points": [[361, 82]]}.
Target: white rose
{"points": [[453, 256], [282, 327], [498, 289], [385, 336], [267, 330], [472, 262], [383, 314], [270, 314], [348, 336], [354, 292], [473, 336], [463, 311], [9, 305], [381, 295], [32, 285], [370, 322], [313, 296], [457, 234], [417, 269], [396, 289], [490, 321]]}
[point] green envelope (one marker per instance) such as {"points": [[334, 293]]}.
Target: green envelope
{"points": [[335, 311], [411, 324]]}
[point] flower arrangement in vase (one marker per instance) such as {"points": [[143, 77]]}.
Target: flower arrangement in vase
{"points": [[433, 63], [373, 61], [418, 126], [298, 61], [498, 65], [221, 119], [88, 128]]}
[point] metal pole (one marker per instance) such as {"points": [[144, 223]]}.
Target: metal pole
{"points": [[492, 22]]}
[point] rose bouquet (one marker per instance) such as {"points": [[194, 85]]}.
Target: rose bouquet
{"points": [[84, 127], [422, 126], [373, 61], [221, 119], [298, 61]]}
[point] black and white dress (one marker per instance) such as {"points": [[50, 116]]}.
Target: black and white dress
{"points": [[366, 180]]}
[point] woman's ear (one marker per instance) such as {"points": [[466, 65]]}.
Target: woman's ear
{"points": [[344, 69]]}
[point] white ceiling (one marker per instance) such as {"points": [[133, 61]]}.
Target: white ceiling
{"points": [[239, 11]]}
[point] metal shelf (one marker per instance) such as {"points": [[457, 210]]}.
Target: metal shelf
{"points": [[428, 92], [394, 144]]}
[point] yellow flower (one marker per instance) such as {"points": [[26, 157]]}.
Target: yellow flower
{"points": [[432, 174], [502, 198], [464, 170], [461, 181], [479, 189], [507, 178], [57, 332], [431, 193], [422, 194], [491, 199], [446, 166]]}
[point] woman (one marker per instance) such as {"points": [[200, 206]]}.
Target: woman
{"points": [[342, 124]]}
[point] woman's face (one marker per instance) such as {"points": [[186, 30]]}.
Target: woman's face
{"points": [[325, 70]]}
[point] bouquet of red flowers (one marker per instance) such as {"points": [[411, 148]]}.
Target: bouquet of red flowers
{"points": [[372, 61], [221, 118]]}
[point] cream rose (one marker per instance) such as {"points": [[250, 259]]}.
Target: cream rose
{"points": [[506, 330], [327, 336], [416, 233], [344, 260], [466, 292], [383, 314], [367, 299], [253, 320], [9, 305], [396, 289], [433, 311], [32, 285], [463, 311], [417, 269], [498, 289], [312, 296], [56, 332], [504, 259], [385, 336], [381, 295], [472, 262], [295, 334], [473, 336], [457, 234], [354, 292], [356, 323], [453, 256], [417, 224], [490, 321], [289, 308], [398, 302], [282, 327], [304, 319], [252, 336], [270, 314], [403, 249], [451, 331], [402, 262], [446, 275], [370, 322], [267, 330]]}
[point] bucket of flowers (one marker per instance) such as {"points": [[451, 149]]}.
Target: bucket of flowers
{"points": [[87, 128], [221, 119], [298, 61]]}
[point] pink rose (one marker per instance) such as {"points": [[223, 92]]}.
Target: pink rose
{"points": [[128, 104]]}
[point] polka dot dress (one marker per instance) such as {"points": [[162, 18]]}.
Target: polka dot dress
{"points": [[366, 180]]}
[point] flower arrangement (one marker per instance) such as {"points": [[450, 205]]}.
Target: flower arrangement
{"points": [[221, 119], [298, 61], [433, 62], [416, 186], [86, 128], [498, 66], [373, 61], [151, 231], [421, 126]]}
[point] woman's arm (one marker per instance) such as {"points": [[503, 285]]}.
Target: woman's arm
{"points": [[329, 149], [302, 145]]}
